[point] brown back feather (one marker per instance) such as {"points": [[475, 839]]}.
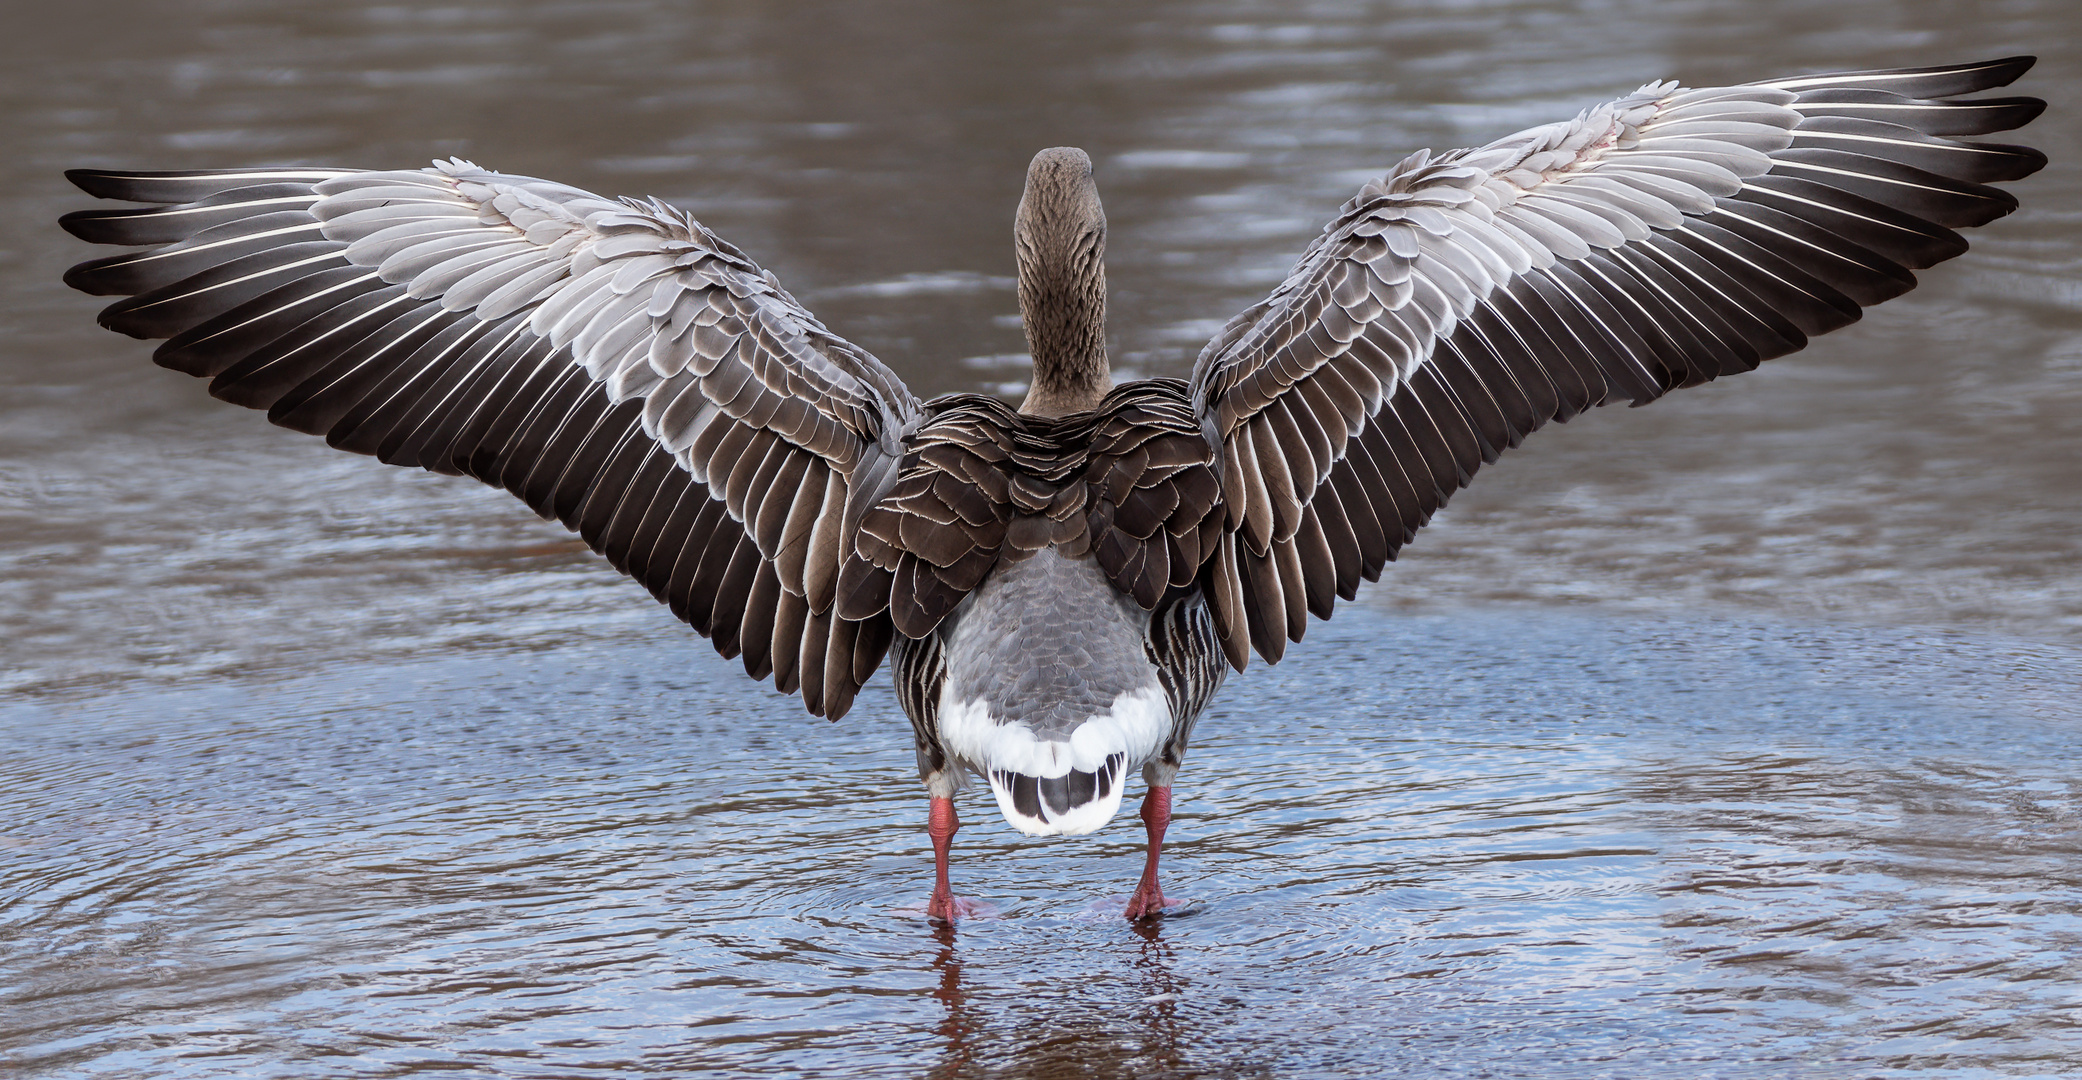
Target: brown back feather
{"points": [[1132, 483]]}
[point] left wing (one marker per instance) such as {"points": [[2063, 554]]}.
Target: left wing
{"points": [[613, 363], [1460, 302]]}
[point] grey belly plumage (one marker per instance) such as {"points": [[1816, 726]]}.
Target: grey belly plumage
{"points": [[1051, 685]]}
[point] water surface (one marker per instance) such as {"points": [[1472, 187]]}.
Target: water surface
{"points": [[1539, 845]]}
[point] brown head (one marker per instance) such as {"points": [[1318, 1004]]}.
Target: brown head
{"points": [[1060, 236]]}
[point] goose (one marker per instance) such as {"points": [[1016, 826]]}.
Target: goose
{"points": [[1062, 586]]}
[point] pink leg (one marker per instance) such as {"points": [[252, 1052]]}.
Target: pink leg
{"points": [[1156, 814], [941, 825]]}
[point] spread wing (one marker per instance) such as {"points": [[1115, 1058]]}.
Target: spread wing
{"points": [[1460, 302], [612, 363]]}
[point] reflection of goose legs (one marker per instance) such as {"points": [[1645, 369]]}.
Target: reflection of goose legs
{"points": [[1156, 814], [958, 1024]]}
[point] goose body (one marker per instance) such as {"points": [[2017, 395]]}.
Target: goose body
{"points": [[1061, 586], [1047, 690]]}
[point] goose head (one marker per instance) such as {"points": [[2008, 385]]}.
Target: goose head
{"points": [[1060, 236]]}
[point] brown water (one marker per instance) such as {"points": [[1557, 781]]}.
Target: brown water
{"points": [[1731, 737]]}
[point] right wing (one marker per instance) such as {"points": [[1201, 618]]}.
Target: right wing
{"points": [[612, 363], [1461, 302]]}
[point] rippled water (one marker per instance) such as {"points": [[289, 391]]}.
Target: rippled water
{"points": [[1545, 844], [1732, 737]]}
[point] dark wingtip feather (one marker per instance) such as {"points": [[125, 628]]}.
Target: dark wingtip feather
{"points": [[2022, 161], [1980, 75], [171, 224], [2016, 67], [137, 225], [150, 187], [1944, 81], [94, 182], [2027, 108], [88, 278], [89, 225], [186, 185]]}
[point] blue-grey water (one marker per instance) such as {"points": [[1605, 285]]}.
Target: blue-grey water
{"points": [[1733, 737]]}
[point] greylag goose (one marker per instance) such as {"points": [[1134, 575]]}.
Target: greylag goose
{"points": [[1064, 585]]}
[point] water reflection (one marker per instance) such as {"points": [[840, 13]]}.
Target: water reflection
{"points": [[1163, 991], [961, 1021], [1052, 1034]]}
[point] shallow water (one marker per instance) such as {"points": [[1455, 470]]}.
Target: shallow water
{"points": [[1545, 844], [1731, 737]]}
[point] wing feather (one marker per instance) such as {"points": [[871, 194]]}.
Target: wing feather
{"points": [[612, 363], [1462, 301]]}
